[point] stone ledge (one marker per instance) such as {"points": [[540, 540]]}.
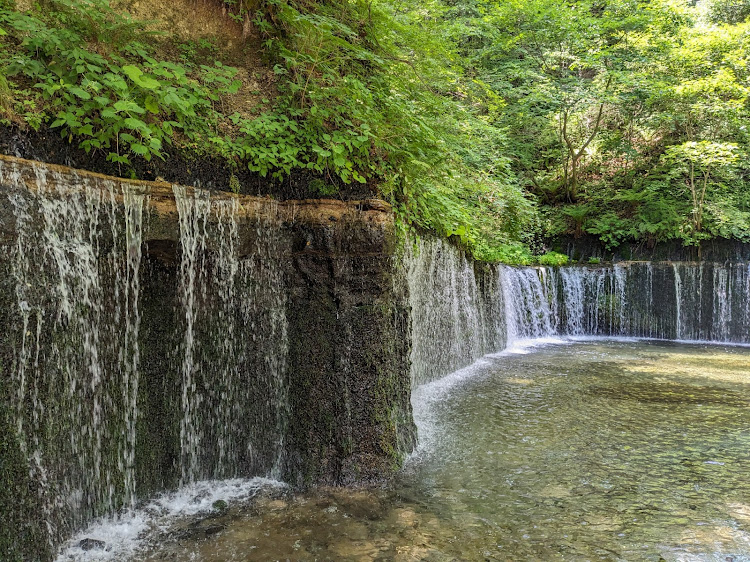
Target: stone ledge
{"points": [[161, 198]]}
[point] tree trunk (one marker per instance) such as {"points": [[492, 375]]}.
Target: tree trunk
{"points": [[571, 182]]}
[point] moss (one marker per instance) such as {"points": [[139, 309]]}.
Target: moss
{"points": [[22, 536], [349, 370], [158, 427], [314, 395], [19, 536]]}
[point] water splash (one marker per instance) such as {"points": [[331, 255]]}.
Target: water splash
{"points": [[131, 533]]}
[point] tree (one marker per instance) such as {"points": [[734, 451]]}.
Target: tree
{"points": [[574, 156], [700, 165], [728, 11]]}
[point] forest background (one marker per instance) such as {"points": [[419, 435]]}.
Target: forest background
{"points": [[504, 124]]}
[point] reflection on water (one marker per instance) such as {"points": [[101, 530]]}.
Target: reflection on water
{"points": [[586, 451]]}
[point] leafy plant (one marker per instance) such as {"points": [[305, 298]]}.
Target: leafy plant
{"points": [[553, 259], [498, 123], [127, 103], [513, 254]]}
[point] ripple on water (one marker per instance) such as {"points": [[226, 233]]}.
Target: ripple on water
{"points": [[586, 451]]}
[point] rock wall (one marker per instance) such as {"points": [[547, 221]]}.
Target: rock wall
{"points": [[153, 335], [587, 247]]}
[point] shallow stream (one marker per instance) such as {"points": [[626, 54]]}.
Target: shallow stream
{"points": [[575, 450]]}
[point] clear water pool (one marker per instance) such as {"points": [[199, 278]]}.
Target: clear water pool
{"points": [[589, 450]]}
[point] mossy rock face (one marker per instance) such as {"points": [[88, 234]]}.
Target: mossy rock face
{"points": [[22, 533], [345, 373], [158, 451], [349, 357]]}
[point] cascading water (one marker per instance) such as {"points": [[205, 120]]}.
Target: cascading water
{"points": [[94, 440], [75, 270], [703, 302], [527, 298], [457, 312], [234, 344], [460, 312], [133, 202], [193, 214]]}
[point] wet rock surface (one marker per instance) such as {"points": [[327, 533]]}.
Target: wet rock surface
{"points": [[205, 336], [329, 524], [91, 544]]}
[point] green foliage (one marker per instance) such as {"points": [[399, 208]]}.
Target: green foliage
{"points": [[373, 83], [553, 258], [123, 102], [6, 97], [366, 93], [728, 11], [610, 228], [234, 184], [626, 119], [322, 189], [513, 254], [498, 123]]}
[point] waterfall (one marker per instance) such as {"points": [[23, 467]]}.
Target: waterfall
{"points": [[574, 299], [678, 301], [457, 311], [462, 311], [76, 266], [527, 307], [146, 339], [193, 213], [75, 270], [133, 203], [233, 400], [450, 298], [657, 300]]}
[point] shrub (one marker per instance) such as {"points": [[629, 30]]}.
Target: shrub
{"points": [[553, 258]]}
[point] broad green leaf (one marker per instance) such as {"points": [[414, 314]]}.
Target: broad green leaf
{"points": [[151, 105], [135, 124], [78, 92], [128, 106], [139, 149]]}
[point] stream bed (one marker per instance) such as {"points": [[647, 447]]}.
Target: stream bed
{"points": [[573, 450]]}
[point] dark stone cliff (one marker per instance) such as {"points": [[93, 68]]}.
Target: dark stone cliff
{"points": [[345, 379], [588, 247]]}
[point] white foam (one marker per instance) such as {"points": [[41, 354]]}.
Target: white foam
{"points": [[126, 534], [526, 346]]}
